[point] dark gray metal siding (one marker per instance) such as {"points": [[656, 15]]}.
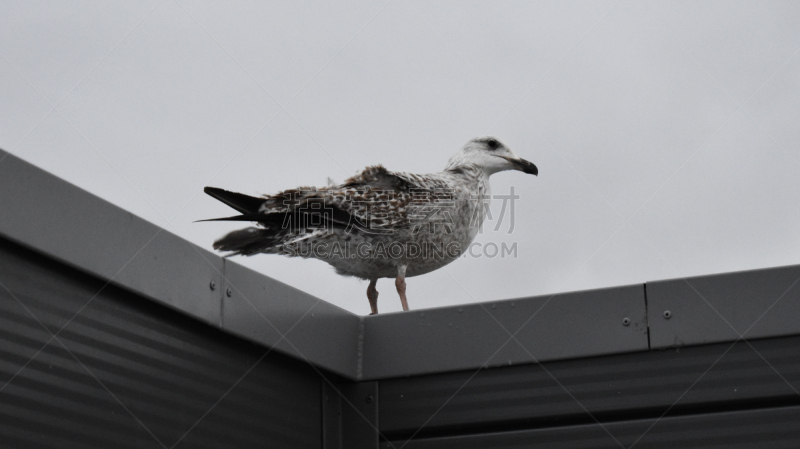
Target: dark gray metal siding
{"points": [[643, 386], [762, 429], [276, 315], [608, 387], [124, 371], [70, 225]]}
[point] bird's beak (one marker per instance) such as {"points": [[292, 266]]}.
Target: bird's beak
{"points": [[523, 166]]}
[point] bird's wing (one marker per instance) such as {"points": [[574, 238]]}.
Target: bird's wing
{"points": [[374, 201], [390, 200]]}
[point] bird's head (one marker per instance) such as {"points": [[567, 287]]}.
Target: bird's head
{"points": [[490, 155]]}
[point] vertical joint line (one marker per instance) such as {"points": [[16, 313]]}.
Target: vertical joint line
{"points": [[646, 316], [377, 395], [223, 285], [360, 350]]}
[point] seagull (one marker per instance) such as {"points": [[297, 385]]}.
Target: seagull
{"points": [[379, 223]]}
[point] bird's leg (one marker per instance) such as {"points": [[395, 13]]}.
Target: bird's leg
{"points": [[400, 283], [372, 295]]}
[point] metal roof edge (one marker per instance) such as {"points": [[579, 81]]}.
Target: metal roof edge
{"points": [[715, 308], [508, 332], [52, 216]]}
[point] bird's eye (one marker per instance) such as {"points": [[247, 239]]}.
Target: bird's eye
{"points": [[493, 144]]}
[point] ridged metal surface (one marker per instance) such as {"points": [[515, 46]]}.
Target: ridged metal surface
{"points": [[139, 374], [763, 429], [127, 372], [612, 387], [360, 416]]}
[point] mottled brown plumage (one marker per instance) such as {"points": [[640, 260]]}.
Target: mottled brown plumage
{"points": [[378, 223]]}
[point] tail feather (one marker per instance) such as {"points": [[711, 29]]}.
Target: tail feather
{"points": [[266, 218], [247, 241], [277, 225], [243, 203]]}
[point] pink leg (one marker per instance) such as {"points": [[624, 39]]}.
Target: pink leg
{"points": [[400, 283], [372, 295]]}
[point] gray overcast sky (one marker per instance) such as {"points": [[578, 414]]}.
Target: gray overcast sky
{"points": [[666, 133]]}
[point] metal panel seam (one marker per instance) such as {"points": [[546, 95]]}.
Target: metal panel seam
{"points": [[646, 316], [360, 350], [222, 293]]}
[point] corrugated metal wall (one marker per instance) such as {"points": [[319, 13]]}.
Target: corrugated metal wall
{"points": [[85, 364], [723, 395]]}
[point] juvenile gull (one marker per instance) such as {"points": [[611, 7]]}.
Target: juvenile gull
{"points": [[379, 223]]}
